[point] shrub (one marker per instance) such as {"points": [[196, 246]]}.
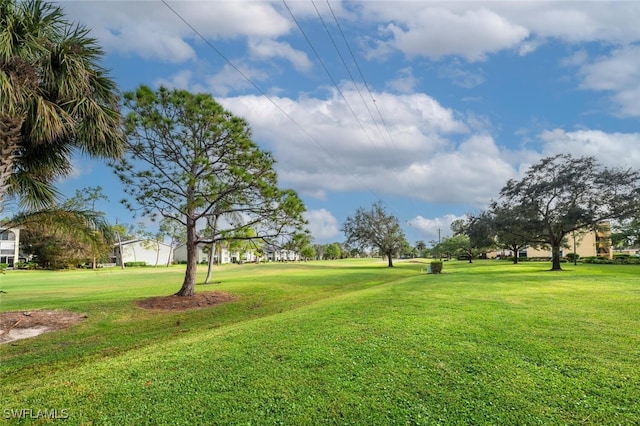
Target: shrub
{"points": [[436, 266], [572, 257], [138, 263], [27, 265]]}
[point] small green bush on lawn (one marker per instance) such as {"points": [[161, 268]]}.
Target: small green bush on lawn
{"points": [[436, 266]]}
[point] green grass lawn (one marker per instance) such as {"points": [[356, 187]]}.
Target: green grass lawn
{"points": [[344, 342]]}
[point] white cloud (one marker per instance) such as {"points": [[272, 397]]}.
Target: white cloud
{"points": [[333, 153], [228, 79], [618, 73], [266, 49], [406, 81], [435, 31], [473, 30], [153, 30], [611, 149], [461, 77], [322, 225], [432, 229]]}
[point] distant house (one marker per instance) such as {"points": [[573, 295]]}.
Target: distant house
{"points": [[222, 255], [276, 254], [151, 252], [591, 243], [180, 254], [9, 246]]}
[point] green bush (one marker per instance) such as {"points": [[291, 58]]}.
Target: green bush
{"points": [[138, 263], [571, 257], [436, 266], [27, 265]]}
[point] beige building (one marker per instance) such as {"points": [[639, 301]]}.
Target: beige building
{"points": [[587, 244]]}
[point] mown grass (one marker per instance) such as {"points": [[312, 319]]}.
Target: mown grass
{"points": [[336, 343]]}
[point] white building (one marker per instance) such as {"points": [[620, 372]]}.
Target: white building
{"points": [[151, 252], [180, 254], [9, 246]]}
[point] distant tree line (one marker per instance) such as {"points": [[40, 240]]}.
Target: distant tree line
{"points": [[558, 196]]}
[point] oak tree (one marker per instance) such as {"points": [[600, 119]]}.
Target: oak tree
{"points": [[375, 228], [562, 194]]}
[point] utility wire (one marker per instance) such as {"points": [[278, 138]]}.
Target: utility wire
{"points": [[356, 85], [328, 72], [361, 74], [262, 92]]}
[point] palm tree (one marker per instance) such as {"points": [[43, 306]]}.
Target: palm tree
{"points": [[54, 100]]}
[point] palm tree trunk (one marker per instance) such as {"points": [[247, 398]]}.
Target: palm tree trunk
{"points": [[9, 143]]}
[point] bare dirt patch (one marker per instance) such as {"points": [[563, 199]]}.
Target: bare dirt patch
{"points": [[24, 324], [179, 303]]}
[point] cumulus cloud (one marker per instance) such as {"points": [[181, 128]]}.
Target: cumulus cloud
{"points": [[154, 30], [619, 74], [473, 30], [322, 225], [611, 149], [437, 32], [405, 82], [267, 49], [432, 229], [327, 149]]}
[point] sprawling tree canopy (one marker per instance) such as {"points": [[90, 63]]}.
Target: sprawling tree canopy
{"points": [[374, 228], [54, 99], [509, 231], [190, 160], [562, 194], [472, 235]]}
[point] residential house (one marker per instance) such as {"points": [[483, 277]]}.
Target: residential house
{"points": [[151, 252], [180, 253], [222, 256], [9, 246]]}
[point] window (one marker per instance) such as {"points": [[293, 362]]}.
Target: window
{"points": [[7, 236]]}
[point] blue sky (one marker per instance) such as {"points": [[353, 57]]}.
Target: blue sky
{"points": [[439, 104]]}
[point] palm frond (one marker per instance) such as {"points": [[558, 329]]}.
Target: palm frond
{"points": [[84, 225]]}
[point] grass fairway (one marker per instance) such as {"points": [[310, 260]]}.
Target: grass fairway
{"points": [[345, 342]]}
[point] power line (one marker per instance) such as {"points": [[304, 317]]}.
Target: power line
{"points": [[356, 85], [364, 80], [328, 72], [262, 92]]}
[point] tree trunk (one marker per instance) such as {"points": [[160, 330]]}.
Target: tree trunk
{"points": [[9, 143], [120, 250], [189, 285], [515, 257], [555, 258], [212, 254], [390, 257], [157, 253]]}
